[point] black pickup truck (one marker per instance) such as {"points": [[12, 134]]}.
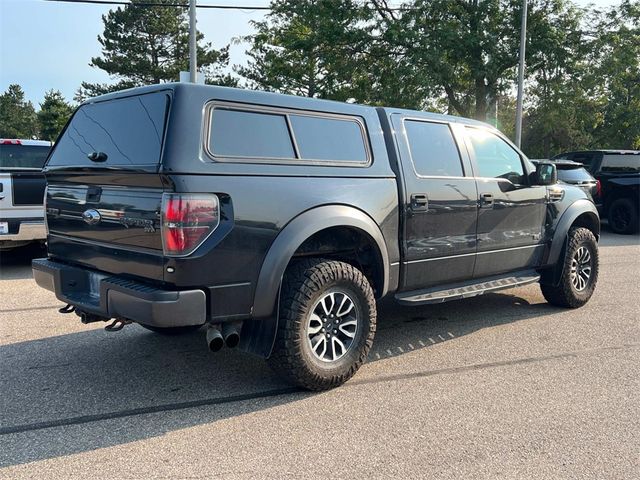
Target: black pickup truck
{"points": [[279, 221], [618, 175]]}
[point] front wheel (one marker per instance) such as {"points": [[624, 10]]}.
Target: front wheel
{"points": [[579, 271], [326, 325]]}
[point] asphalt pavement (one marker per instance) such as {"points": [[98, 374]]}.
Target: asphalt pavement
{"points": [[498, 386]]}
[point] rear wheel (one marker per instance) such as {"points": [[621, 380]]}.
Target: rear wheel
{"points": [[623, 216], [326, 324], [171, 331], [579, 271]]}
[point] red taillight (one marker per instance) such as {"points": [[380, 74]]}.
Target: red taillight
{"points": [[598, 188], [187, 220], [4, 141]]}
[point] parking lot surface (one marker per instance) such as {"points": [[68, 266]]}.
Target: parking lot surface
{"points": [[498, 386]]}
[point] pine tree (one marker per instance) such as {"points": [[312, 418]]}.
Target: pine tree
{"points": [[53, 115], [314, 48], [17, 116], [144, 45]]}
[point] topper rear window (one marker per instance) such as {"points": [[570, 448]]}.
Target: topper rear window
{"points": [[129, 131]]}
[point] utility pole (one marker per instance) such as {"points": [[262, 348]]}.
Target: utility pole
{"points": [[193, 54], [523, 41]]}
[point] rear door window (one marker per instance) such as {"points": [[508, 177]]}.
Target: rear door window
{"points": [[22, 157], [128, 130], [433, 150]]}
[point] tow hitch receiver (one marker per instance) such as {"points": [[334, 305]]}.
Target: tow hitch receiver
{"points": [[85, 317]]}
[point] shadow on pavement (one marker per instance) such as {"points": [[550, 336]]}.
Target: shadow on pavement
{"points": [[57, 391], [15, 264]]}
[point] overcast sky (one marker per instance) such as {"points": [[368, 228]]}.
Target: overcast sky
{"points": [[45, 45]]}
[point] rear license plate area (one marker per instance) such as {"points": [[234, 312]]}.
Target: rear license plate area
{"points": [[82, 286]]}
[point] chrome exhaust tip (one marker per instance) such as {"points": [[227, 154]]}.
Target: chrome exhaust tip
{"points": [[214, 338], [231, 333]]}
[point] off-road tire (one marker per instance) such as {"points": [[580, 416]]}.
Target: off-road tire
{"points": [[565, 293], [623, 216], [305, 283], [172, 331]]}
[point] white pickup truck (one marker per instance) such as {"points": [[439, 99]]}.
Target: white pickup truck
{"points": [[22, 187]]}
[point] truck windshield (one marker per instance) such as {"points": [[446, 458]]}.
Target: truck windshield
{"points": [[120, 132], [23, 157]]}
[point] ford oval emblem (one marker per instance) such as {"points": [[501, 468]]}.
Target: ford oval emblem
{"points": [[91, 217]]}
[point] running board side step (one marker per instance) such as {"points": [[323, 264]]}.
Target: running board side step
{"points": [[467, 289]]}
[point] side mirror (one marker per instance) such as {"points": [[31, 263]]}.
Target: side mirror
{"points": [[546, 174]]}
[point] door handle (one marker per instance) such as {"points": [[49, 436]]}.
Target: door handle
{"points": [[419, 202], [486, 200]]}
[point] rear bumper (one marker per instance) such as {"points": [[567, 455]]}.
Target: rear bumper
{"points": [[109, 296], [27, 231]]}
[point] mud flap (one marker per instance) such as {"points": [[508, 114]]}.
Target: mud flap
{"points": [[259, 334], [552, 275]]}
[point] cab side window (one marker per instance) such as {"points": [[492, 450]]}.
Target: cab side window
{"points": [[495, 158], [433, 149]]}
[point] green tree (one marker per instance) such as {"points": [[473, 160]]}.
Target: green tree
{"points": [[585, 91], [456, 56], [143, 45], [308, 48], [17, 116], [616, 76], [561, 113], [468, 49], [505, 106], [329, 49], [460, 57], [53, 115]]}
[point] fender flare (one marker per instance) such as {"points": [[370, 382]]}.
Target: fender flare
{"points": [[259, 332], [579, 207]]}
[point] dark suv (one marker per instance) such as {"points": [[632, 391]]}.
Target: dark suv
{"points": [[574, 173], [618, 174], [279, 221]]}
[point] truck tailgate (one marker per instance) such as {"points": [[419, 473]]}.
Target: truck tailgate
{"points": [[104, 192]]}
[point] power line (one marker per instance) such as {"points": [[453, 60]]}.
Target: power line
{"points": [[392, 8], [156, 4], [186, 5]]}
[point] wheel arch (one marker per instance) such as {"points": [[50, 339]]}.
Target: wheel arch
{"points": [[259, 332], [581, 213]]}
